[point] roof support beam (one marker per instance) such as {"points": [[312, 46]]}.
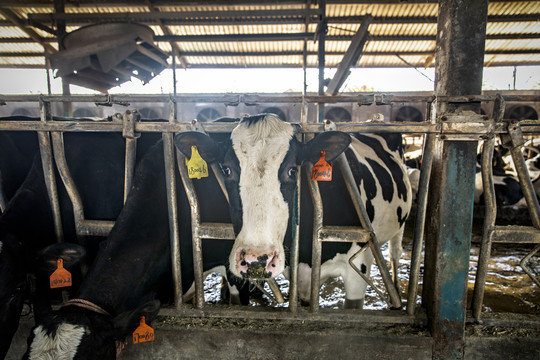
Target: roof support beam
{"points": [[11, 16], [296, 53], [166, 31], [350, 58], [283, 37]]}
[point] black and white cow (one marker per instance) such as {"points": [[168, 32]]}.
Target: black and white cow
{"points": [[259, 163], [131, 275], [27, 228], [507, 188]]}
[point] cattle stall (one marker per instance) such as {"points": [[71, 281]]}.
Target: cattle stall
{"points": [[202, 329]]}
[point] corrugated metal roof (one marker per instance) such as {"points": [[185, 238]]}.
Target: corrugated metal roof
{"points": [[270, 33]]}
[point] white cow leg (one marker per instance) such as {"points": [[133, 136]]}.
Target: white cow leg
{"points": [[355, 286], [395, 248]]}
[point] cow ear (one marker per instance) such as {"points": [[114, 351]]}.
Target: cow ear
{"points": [[127, 322], [333, 142], [70, 253], [205, 145]]}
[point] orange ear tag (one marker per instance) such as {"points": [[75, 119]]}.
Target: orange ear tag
{"points": [[321, 171], [196, 166], [60, 277], [143, 333]]}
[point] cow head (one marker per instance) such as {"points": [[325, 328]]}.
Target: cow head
{"points": [[78, 333], [259, 163]]}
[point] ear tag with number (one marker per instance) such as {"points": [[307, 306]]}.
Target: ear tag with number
{"points": [[321, 171], [60, 277], [196, 166], [143, 333]]}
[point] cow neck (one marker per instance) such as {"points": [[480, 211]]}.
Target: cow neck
{"points": [[88, 305]]}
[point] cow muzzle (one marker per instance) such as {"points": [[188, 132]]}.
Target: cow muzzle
{"points": [[257, 265]]}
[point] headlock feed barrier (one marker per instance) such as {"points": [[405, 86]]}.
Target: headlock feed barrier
{"points": [[440, 126]]}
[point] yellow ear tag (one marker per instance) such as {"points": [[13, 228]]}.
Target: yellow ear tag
{"points": [[321, 171], [60, 277], [196, 166], [143, 333]]}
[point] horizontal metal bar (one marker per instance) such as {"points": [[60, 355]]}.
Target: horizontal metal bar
{"points": [[345, 234], [95, 227], [331, 315], [516, 235], [255, 16], [367, 99], [454, 128], [216, 231]]}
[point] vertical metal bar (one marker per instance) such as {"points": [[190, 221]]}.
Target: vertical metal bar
{"points": [[131, 153], [420, 220], [48, 171], [316, 252], [174, 69], [490, 212], [293, 262], [170, 179], [195, 224], [321, 52], [354, 193], [516, 143], [488, 227], [67, 179]]}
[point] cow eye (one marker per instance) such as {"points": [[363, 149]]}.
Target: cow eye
{"points": [[292, 172], [226, 170]]}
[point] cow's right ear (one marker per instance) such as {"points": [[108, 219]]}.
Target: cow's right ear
{"points": [[332, 142], [206, 147]]}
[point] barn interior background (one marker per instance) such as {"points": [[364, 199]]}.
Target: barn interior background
{"points": [[102, 44]]}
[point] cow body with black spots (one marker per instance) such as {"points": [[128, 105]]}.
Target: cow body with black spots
{"points": [[260, 162]]}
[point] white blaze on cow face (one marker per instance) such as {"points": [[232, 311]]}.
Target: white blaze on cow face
{"points": [[62, 346], [260, 148]]}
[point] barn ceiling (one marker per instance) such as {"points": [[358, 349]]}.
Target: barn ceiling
{"points": [[265, 34]]}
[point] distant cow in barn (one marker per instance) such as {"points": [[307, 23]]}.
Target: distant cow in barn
{"points": [[132, 272], [507, 188], [259, 163]]}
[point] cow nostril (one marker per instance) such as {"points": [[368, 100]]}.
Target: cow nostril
{"points": [[273, 265], [243, 263]]}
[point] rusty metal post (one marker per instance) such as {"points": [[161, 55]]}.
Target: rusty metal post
{"points": [[461, 32]]}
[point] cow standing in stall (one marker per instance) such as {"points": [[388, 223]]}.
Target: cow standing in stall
{"points": [[131, 275], [259, 164], [28, 242]]}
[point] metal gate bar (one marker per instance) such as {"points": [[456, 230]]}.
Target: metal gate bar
{"points": [[421, 211], [45, 150], [490, 213]]}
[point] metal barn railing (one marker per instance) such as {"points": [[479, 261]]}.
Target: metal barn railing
{"points": [[438, 127]]}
